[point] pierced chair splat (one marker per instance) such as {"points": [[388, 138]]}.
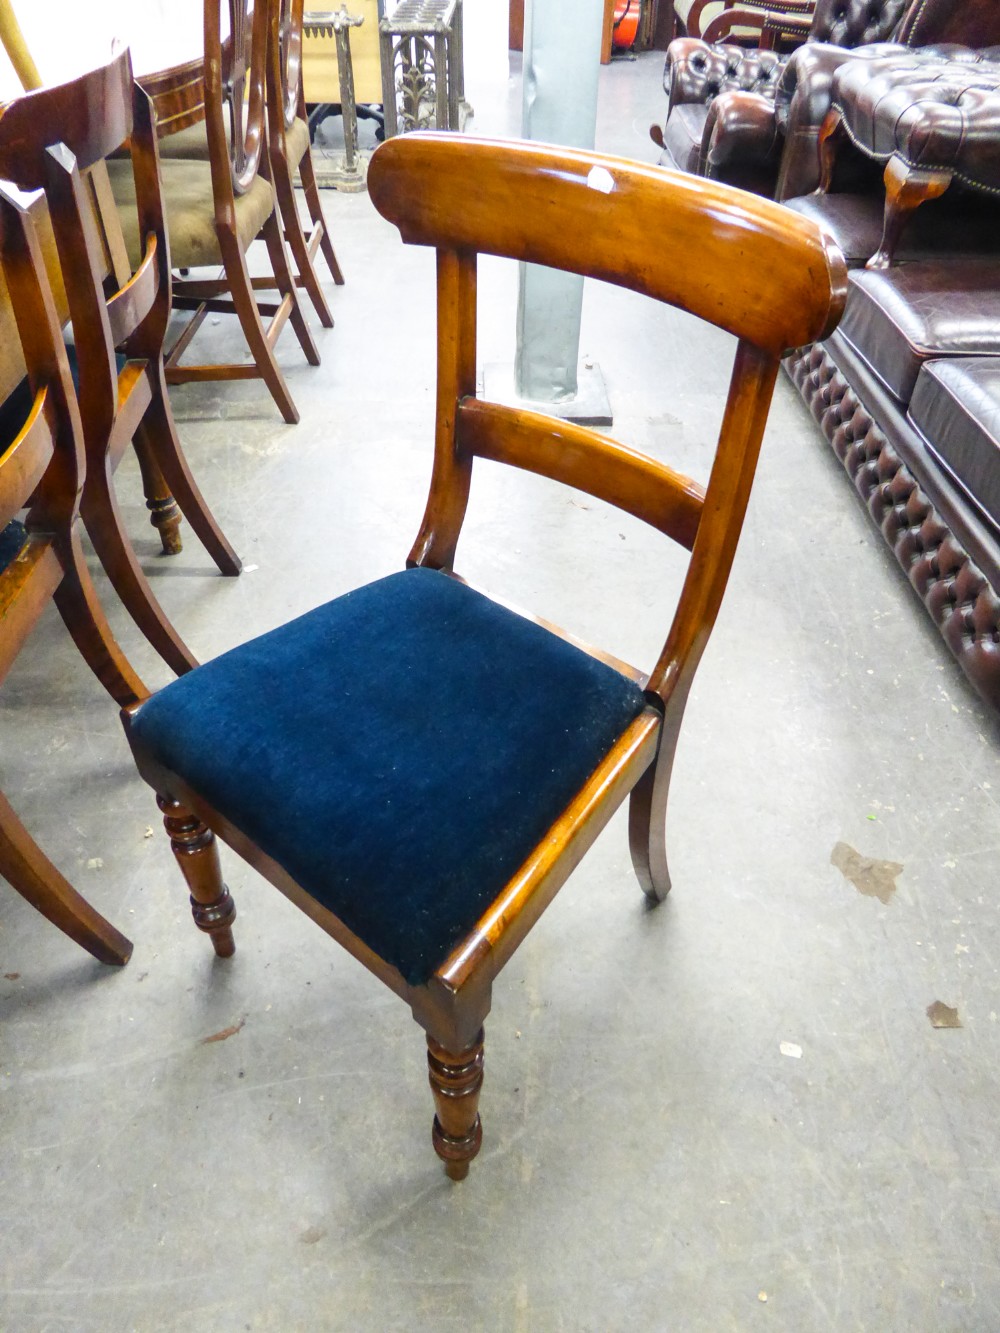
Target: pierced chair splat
{"points": [[416, 766], [47, 139], [41, 559]]}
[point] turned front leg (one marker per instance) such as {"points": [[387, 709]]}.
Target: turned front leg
{"points": [[197, 853], [455, 1082]]}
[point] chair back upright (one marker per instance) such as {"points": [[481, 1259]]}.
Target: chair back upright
{"points": [[235, 71], [47, 139], [739, 262], [41, 475], [285, 61]]}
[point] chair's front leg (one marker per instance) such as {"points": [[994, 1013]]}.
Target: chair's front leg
{"points": [[456, 1080], [197, 853]]}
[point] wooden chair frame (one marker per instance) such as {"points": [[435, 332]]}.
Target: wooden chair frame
{"points": [[42, 469], [116, 406], [286, 104], [770, 278], [234, 71]]}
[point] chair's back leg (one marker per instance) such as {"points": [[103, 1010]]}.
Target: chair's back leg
{"points": [[159, 435], [307, 174], [28, 870]]}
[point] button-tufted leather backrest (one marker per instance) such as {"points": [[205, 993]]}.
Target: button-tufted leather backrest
{"points": [[974, 23], [859, 22]]}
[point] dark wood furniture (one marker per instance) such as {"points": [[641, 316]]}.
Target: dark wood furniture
{"points": [[41, 475], [215, 209], [930, 116], [47, 138], [414, 765], [287, 140]]}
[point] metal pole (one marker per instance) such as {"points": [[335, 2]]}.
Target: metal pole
{"points": [[562, 55]]}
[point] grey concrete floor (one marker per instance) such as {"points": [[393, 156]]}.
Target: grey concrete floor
{"points": [[651, 1158]]}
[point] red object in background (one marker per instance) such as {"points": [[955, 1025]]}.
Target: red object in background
{"points": [[626, 24]]}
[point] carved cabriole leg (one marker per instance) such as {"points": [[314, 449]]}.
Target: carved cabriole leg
{"points": [[831, 132], [164, 512], [455, 1082], [197, 853], [906, 188]]}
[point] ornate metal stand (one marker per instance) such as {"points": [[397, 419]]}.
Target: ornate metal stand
{"points": [[423, 66], [351, 175]]}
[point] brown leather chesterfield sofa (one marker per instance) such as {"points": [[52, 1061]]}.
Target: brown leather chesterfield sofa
{"points": [[907, 390], [752, 117]]}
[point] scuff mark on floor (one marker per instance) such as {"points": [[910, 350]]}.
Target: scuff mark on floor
{"points": [[224, 1034], [873, 878], [942, 1016]]}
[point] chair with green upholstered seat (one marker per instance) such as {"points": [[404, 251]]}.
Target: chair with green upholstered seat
{"points": [[216, 208], [288, 148], [415, 765]]}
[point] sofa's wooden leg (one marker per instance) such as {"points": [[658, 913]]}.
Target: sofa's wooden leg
{"points": [[831, 132], [906, 188], [455, 1082], [197, 853]]}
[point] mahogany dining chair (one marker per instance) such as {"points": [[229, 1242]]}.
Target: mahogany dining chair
{"points": [[41, 559], [47, 139], [218, 204], [415, 765]]}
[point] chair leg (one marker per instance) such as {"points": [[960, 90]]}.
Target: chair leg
{"points": [[297, 242], [77, 602], [102, 519], [30, 872], [164, 512], [456, 1080], [906, 188], [158, 435], [647, 818], [245, 305], [275, 243], [307, 175], [831, 134], [197, 853]]}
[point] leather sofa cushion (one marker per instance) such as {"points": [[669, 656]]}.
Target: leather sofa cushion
{"points": [[901, 317], [956, 408], [682, 138], [956, 225]]}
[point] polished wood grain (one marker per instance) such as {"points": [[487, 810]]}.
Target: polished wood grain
{"points": [[771, 279], [47, 140], [41, 475]]}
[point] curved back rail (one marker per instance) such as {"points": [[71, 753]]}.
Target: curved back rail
{"points": [[771, 279]]}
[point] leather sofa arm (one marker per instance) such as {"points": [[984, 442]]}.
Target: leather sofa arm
{"points": [[741, 128], [696, 72]]}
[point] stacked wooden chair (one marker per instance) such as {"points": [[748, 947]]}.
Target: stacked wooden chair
{"points": [[227, 158], [47, 139], [41, 558], [416, 766]]}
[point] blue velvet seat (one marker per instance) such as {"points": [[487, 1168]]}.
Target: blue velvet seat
{"points": [[417, 743]]}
